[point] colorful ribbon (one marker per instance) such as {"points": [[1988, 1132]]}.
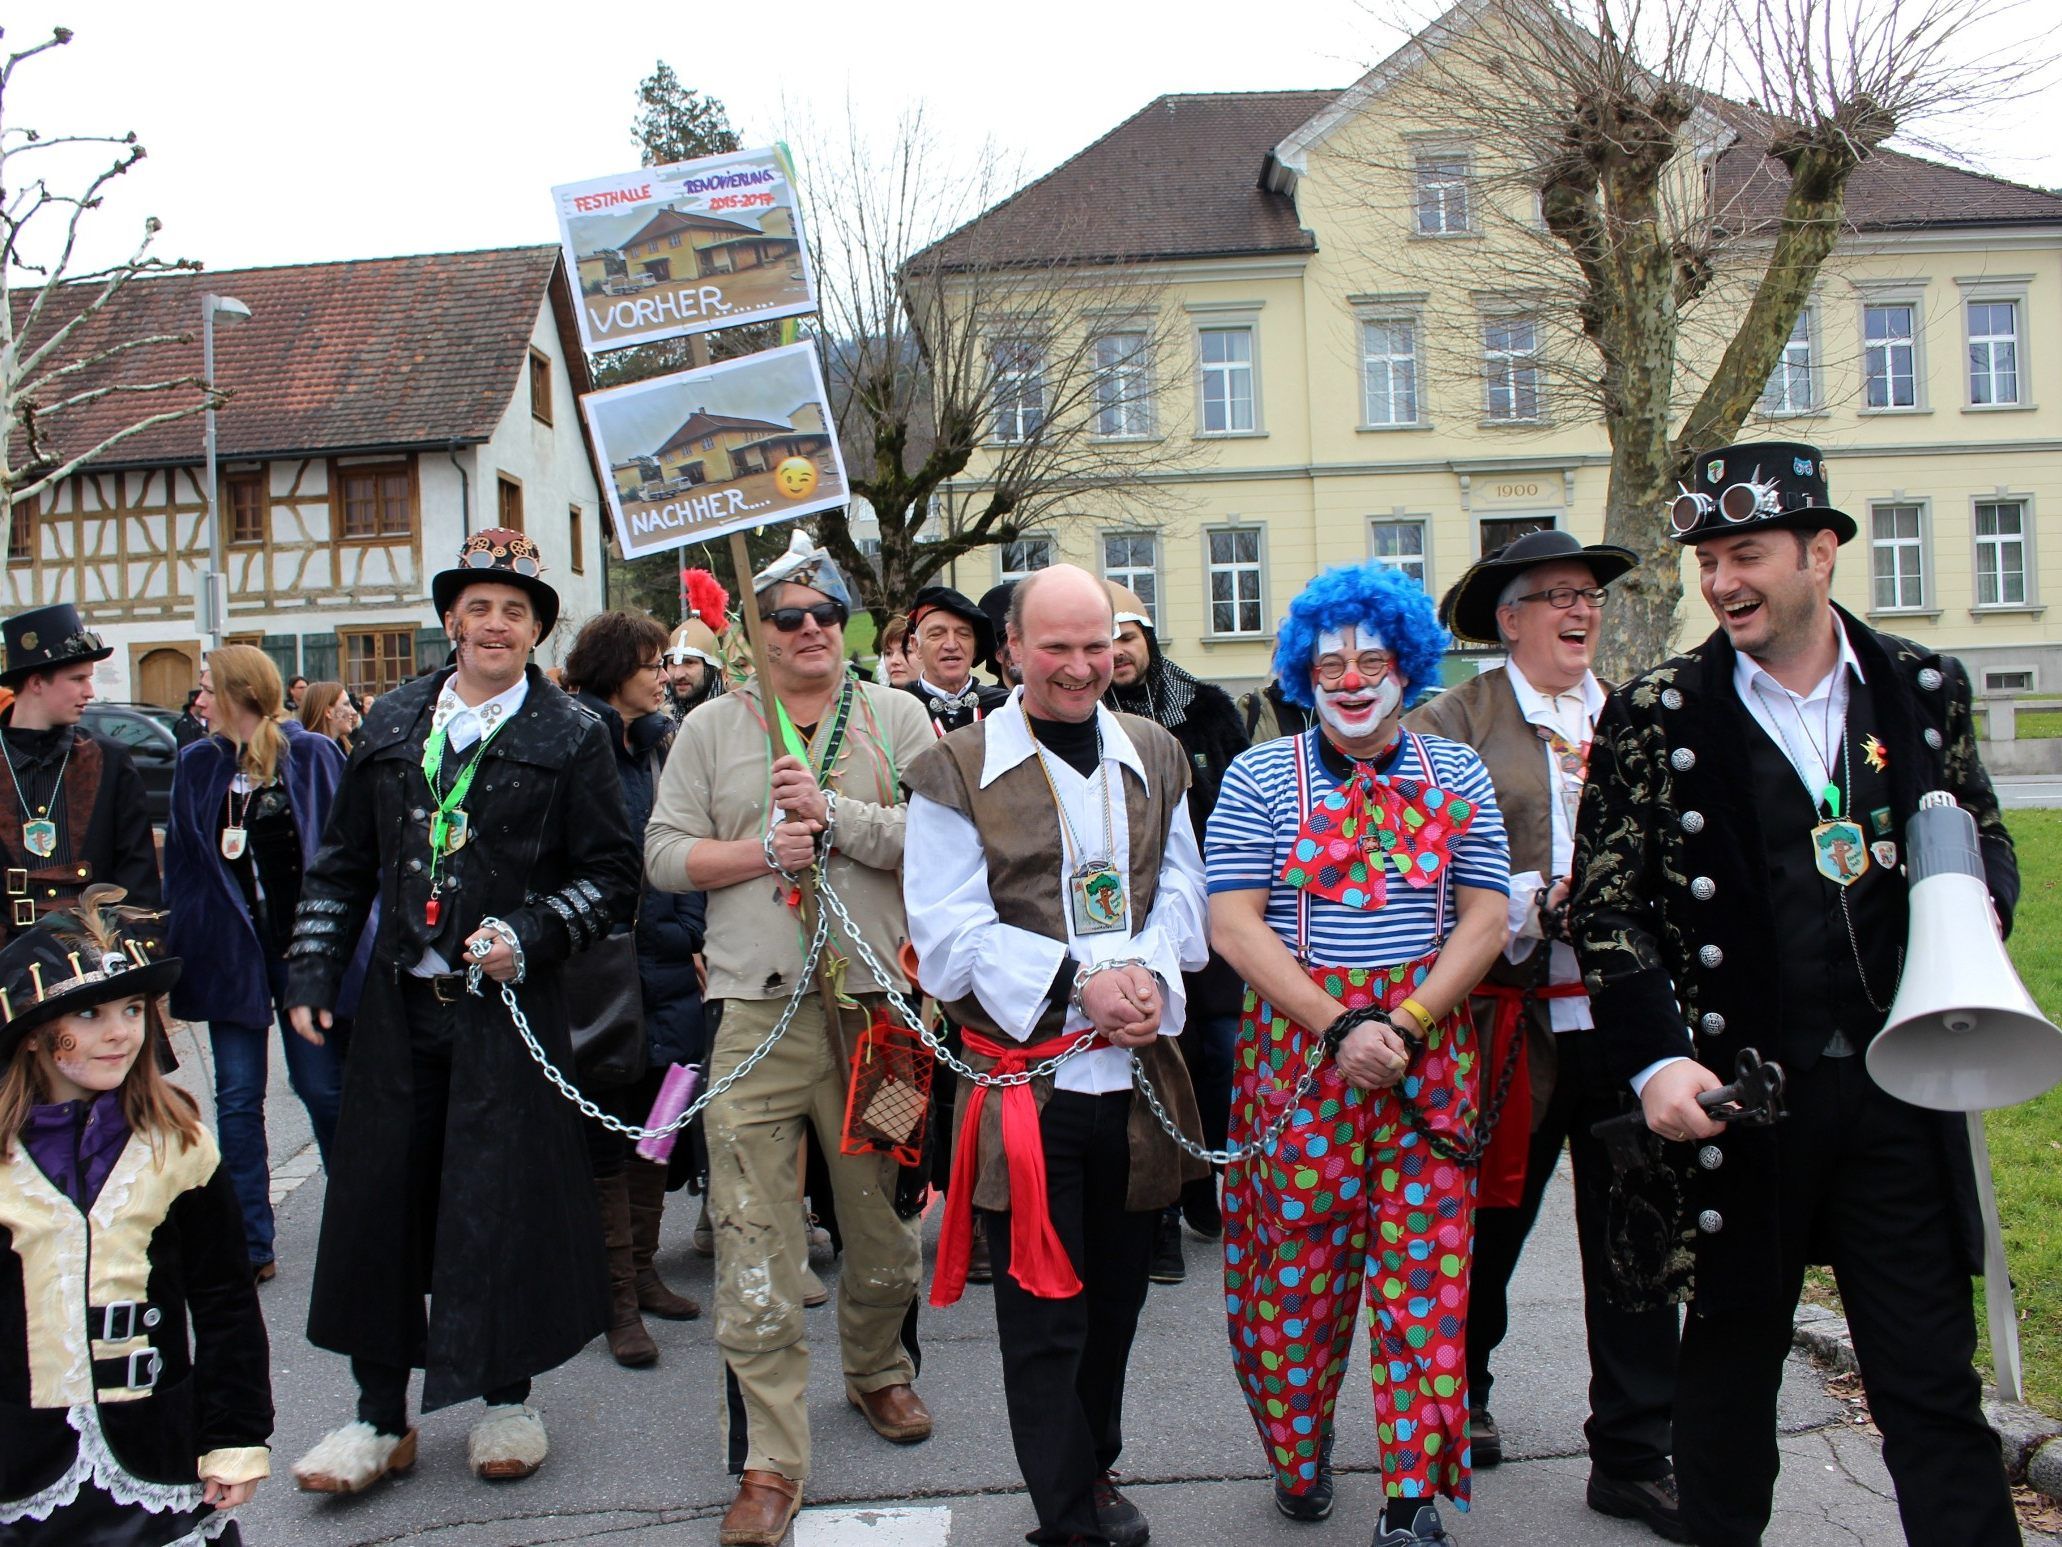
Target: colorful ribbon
{"points": [[1038, 1259], [1370, 826]]}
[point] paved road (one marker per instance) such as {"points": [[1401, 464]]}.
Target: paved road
{"points": [[635, 1461], [2030, 790]]}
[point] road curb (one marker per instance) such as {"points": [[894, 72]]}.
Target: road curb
{"points": [[2030, 1439]]}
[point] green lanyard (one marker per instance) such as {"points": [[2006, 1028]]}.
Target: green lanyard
{"points": [[443, 828], [833, 741]]}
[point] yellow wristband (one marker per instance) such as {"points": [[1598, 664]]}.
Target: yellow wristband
{"points": [[1422, 1015]]}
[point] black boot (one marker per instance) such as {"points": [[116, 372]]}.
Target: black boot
{"points": [[1168, 1265]]}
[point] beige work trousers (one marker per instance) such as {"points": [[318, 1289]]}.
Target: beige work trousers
{"points": [[755, 1133]]}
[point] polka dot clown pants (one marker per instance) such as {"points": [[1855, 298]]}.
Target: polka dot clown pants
{"points": [[1352, 1192]]}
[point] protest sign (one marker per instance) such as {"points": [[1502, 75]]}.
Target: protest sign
{"points": [[687, 248], [728, 447]]}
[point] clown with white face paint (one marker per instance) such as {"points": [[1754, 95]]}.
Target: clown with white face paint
{"points": [[1358, 881]]}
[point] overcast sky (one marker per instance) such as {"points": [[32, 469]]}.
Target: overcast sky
{"points": [[281, 133]]}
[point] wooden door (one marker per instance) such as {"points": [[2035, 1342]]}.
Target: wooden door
{"points": [[164, 675]]}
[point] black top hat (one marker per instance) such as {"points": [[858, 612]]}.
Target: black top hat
{"points": [[71, 960], [942, 598], [45, 638], [506, 558], [1469, 607], [1771, 483]]}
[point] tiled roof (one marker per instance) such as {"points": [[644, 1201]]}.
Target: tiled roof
{"points": [[699, 423], [1890, 191], [1178, 179], [668, 221], [374, 353]]}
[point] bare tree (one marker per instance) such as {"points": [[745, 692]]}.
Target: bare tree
{"points": [[978, 395], [71, 387], [1659, 183]]}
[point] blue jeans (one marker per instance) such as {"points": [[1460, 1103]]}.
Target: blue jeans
{"points": [[317, 1077]]}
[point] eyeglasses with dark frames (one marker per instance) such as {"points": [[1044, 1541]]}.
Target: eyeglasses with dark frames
{"points": [[1562, 597], [789, 619]]}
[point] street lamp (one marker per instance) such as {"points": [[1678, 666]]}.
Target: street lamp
{"points": [[213, 601]]}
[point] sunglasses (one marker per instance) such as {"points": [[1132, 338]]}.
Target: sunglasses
{"points": [[828, 615]]}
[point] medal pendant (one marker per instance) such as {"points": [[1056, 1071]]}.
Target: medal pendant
{"points": [[457, 829], [1839, 851], [1096, 894], [234, 841], [432, 910], [40, 837]]}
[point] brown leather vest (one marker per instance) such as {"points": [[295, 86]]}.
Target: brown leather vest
{"points": [[1020, 833], [33, 889]]}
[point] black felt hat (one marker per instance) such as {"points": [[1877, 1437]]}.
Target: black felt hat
{"points": [[70, 960], [504, 557], [45, 638], [1469, 607], [1747, 488], [995, 603], [942, 598]]}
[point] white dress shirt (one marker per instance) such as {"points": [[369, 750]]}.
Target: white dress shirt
{"points": [[1573, 717], [964, 948], [1807, 727], [463, 724]]}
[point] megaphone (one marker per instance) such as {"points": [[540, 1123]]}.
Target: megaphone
{"points": [[1963, 1035]]}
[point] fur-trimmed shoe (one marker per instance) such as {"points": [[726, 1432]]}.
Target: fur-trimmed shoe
{"points": [[353, 1458], [507, 1443]]}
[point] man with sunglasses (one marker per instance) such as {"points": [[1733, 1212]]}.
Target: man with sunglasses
{"points": [[1738, 885], [1531, 720], [733, 823]]}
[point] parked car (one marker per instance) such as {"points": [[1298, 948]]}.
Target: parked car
{"points": [[145, 732]]}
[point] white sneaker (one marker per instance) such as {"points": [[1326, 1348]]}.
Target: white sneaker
{"points": [[507, 1443], [353, 1458]]}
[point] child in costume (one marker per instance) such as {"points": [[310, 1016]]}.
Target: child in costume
{"points": [[1356, 867], [135, 1400]]}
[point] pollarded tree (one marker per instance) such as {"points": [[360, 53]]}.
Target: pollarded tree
{"points": [[1661, 182], [72, 386]]}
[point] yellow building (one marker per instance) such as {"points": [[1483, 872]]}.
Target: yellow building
{"points": [[1353, 383]]}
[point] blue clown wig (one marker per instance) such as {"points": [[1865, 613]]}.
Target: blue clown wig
{"points": [[1366, 595]]}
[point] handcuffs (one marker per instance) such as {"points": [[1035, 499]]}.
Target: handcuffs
{"points": [[480, 948]]}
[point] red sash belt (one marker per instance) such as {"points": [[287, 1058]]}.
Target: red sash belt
{"points": [[1502, 1178], [1038, 1260]]}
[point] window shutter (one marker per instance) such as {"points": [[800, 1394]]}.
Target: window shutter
{"points": [[319, 657], [432, 649], [281, 648]]}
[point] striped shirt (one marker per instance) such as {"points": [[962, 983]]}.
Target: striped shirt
{"points": [[1256, 821]]}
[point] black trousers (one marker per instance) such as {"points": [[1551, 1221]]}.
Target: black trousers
{"points": [[383, 1388], [1063, 1361], [1865, 1187], [1631, 1354]]}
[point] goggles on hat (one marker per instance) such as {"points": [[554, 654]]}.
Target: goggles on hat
{"points": [[1736, 503], [519, 554]]}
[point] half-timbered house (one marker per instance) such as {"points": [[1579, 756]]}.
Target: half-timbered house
{"points": [[378, 411]]}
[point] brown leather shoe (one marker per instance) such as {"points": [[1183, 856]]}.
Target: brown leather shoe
{"points": [[765, 1506], [896, 1412]]}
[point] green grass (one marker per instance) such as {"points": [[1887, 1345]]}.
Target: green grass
{"points": [[2033, 725], [2026, 1141]]}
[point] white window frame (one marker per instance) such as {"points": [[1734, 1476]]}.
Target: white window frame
{"points": [[1014, 407], [1804, 341], [1004, 574], [1437, 194], [1388, 361], [1906, 293], [1225, 370], [2029, 600], [2030, 668], [1127, 575], [1132, 403], [1257, 567], [1509, 369], [1422, 560], [1920, 546], [1998, 290]]}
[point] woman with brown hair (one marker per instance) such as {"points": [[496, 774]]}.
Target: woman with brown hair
{"points": [[112, 1195], [326, 710], [248, 806], [616, 669]]}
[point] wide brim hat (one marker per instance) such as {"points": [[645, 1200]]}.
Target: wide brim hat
{"points": [[503, 557], [942, 598], [62, 964], [1468, 610], [1754, 487], [995, 603], [45, 638]]}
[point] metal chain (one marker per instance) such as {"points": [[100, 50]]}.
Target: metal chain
{"points": [[1470, 1151]]}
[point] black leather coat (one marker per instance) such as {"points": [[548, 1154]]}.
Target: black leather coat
{"points": [[518, 1284]]}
